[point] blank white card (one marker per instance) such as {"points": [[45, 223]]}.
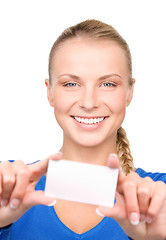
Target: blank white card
{"points": [[81, 182]]}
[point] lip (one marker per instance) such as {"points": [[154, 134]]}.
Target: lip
{"points": [[89, 116], [89, 127]]}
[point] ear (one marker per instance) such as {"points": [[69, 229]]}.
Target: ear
{"points": [[49, 92], [130, 93]]}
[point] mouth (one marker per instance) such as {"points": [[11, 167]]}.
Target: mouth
{"points": [[89, 120]]}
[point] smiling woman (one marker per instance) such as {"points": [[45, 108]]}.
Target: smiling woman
{"points": [[89, 87], [90, 97], [103, 93]]}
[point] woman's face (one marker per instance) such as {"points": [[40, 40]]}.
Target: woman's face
{"points": [[90, 90]]}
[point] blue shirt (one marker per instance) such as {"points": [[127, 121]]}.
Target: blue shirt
{"points": [[41, 222]]}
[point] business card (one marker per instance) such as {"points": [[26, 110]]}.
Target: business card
{"points": [[81, 182]]}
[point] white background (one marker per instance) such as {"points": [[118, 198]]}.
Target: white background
{"points": [[28, 29]]}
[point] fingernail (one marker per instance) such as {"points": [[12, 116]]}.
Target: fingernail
{"points": [[99, 213], [4, 203], [14, 203], [134, 218], [148, 220], [52, 203], [113, 155]]}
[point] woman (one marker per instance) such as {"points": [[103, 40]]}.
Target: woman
{"points": [[90, 85]]}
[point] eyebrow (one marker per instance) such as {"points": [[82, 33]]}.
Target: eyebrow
{"points": [[69, 75], [100, 78], [110, 76]]}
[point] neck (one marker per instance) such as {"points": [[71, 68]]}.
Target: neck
{"points": [[93, 154]]}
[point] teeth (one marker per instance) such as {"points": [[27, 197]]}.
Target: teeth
{"points": [[89, 120]]}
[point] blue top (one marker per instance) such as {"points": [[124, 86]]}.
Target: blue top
{"points": [[41, 222]]}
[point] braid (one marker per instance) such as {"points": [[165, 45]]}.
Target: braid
{"points": [[124, 152]]}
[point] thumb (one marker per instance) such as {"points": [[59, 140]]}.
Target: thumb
{"points": [[38, 198], [113, 162], [117, 212], [39, 168]]}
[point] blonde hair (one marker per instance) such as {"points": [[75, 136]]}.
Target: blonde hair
{"points": [[124, 153], [98, 30]]}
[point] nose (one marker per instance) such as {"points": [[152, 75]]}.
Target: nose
{"points": [[88, 98]]}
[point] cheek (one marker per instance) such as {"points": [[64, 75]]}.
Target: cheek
{"points": [[62, 102], [117, 102], [60, 105]]}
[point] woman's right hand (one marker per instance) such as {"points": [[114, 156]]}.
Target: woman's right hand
{"points": [[17, 188]]}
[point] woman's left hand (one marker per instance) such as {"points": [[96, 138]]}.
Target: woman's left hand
{"points": [[140, 206]]}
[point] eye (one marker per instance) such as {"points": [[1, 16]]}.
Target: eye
{"points": [[108, 84], [70, 84]]}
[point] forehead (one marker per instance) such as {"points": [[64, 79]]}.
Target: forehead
{"points": [[84, 55]]}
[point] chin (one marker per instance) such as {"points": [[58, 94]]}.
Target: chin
{"points": [[89, 142], [88, 145]]}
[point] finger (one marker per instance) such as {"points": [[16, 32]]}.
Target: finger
{"points": [[117, 212], [38, 198], [8, 181], [144, 195], [39, 168], [157, 200], [55, 156], [22, 181], [113, 162], [130, 195]]}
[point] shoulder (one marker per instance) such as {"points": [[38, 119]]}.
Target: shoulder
{"points": [[155, 176]]}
